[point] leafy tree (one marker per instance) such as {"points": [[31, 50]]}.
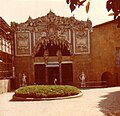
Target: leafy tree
{"points": [[77, 3], [114, 5], [111, 5]]}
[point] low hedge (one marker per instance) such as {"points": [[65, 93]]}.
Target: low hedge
{"points": [[46, 91]]}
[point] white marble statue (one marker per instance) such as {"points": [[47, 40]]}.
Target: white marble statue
{"points": [[82, 78], [24, 82]]}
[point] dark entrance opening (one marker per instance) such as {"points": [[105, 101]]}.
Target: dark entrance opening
{"points": [[67, 74], [107, 76], [40, 74], [53, 72], [52, 50]]}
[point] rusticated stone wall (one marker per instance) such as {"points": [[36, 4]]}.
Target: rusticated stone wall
{"points": [[24, 65], [81, 63], [104, 40]]}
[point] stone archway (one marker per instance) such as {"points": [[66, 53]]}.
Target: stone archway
{"points": [[108, 77], [52, 44], [51, 54]]}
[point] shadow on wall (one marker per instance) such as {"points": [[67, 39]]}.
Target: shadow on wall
{"points": [[108, 77], [110, 105]]}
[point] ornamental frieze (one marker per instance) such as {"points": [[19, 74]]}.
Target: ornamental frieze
{"points": [[57, 30], [52, 19]]}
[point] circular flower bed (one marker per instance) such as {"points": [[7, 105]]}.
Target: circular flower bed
{"points": [[46, 91]]}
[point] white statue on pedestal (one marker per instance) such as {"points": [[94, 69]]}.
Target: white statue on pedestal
{"points": [[82, 78], [24, 82]]}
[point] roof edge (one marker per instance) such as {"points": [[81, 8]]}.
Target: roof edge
{"points": [[112, 21]]}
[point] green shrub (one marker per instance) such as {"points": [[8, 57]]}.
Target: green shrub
{"points": [[46, 91]]}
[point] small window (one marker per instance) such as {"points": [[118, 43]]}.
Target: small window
{"points": [[118, 57]]}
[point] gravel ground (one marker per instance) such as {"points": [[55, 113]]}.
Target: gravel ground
{"points": [[94, 102]]}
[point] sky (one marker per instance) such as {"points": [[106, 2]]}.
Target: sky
{"points": [[20, 10]]}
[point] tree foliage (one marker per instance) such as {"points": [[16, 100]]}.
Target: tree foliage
{"points": [[114, 6], [111, 5], [76, 3]]}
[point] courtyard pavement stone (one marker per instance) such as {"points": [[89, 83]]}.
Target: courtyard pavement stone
{"points": [[94, 102]]}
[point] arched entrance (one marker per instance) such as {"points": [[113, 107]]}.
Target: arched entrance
{"points": [[107, 76], [53, 61]]}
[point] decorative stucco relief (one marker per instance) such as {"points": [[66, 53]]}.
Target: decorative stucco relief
{"points": [[22, 43], [82, 42], [54, 27]]}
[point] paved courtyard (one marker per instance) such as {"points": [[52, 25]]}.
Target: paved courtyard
{"points": [[94, 102]]}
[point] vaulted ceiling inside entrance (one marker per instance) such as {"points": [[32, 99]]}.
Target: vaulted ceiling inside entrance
{"points": [[52, 45]]}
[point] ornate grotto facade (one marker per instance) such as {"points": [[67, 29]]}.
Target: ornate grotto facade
{"points": [[51, 47]]}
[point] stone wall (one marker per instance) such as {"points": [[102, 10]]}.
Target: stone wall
{"points": [[24, 65], [98, 62], [104, 40], [5, 86], [81, 63]]}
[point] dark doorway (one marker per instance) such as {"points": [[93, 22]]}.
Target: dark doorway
{"points": [[40, 74], [107, 76], [53, 72], [67, 74]]}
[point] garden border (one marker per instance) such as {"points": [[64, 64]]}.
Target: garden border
{"points": [[15, 98]]}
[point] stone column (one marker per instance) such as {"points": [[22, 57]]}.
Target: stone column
{"points": [[60, 75], [59, 54], [46, 74], [46, 54]]}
